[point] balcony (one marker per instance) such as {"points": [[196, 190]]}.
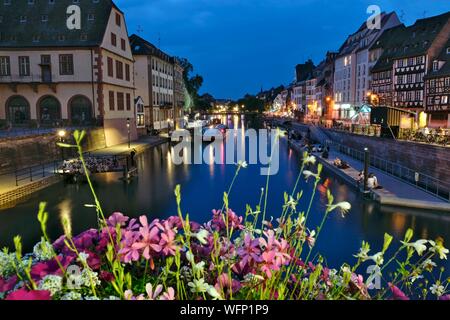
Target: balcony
{"points": [[33, 80]]}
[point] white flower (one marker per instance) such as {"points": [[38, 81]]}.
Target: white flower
{"points": [[308, 174], [439, 249], [198, 286], [292, 204], [214, 294], [343, 207], [51, 283], [363, 253], [416, 277], [91, 298], [198, 268], [298, 222], [419, 246], [43, 251], [7, 263], [242, 164], [437, 289], [252, 278], [428, 264], [72, 295], [201, 236], [83, 257], [309, 160], [153, 295], [190, 257], [89, 277], [377, 258]]}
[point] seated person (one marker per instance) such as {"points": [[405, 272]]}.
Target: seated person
{"points": [[344, 165], [372, 182], [337, 162]]}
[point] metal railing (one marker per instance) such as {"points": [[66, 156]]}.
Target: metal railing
{"points": [[26, 132], [35, 172], [422, 181]]}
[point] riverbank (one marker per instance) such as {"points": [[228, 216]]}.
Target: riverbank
{"points": [[395, 192], [11, 193]]}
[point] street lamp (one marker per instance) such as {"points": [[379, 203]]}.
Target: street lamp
{"points": [[61, 135], [128, 130]]}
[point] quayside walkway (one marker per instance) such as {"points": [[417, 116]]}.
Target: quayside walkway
{"points": [[395, 192], [15, 186]]}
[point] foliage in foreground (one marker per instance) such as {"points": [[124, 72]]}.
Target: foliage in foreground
{"points": [[230, 257]]}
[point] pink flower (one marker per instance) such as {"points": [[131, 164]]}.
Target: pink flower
{"points": [[169, 295], [445, 298], [128, 252], [227, 285], [106, 276], [23, 294], [269, 263], [7, 284], [275, 254], [249, 252], [218, 223], [117, 218], [167, 242], [149, 242], [51, 267], [153, 295], [397, 294]]}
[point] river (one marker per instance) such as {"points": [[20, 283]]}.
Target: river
{"points": [[202, 185]]}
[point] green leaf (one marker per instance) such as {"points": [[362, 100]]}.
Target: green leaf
{"points": [[65, 145], [387, 241], [408, 236]]}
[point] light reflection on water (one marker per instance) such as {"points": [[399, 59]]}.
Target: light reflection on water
{"points": [[202, 190]]}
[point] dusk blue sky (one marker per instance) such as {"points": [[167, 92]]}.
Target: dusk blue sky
{"points": [[239, 46]]}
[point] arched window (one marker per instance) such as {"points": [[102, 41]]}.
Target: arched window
{"points": [[49, 110], [80, 110], [18, 110]]}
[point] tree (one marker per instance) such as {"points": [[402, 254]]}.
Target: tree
{"points": [[192, 83]]}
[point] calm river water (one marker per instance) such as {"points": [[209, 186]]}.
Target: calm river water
{"points": [[151, 193]]}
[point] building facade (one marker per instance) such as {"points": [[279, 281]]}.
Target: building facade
{"points": [[422, 44], [154, 73], [324, 87], [53, 76], [437, 90], [382, 53], [351, 74], [179, 94]]}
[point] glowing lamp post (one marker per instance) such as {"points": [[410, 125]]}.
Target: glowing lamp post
{"points": [[128, 130], [61, 134]]}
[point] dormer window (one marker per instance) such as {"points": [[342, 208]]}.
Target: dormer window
{"points": [[36, 38], [23, 19], [91, 17], [7, 2], [30, 2], [435, 65], [61, 38], [44, 18]]}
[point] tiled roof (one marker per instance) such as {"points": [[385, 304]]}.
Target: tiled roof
{"points": [[390, 41], [353, 41], [140, 46], [43, 23], [445, 69], [419, 37]]}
